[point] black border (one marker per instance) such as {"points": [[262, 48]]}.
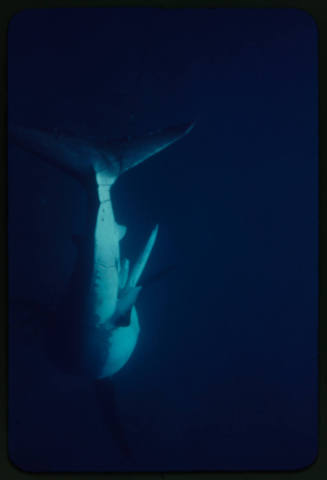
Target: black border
{"points": [[318, 11]]}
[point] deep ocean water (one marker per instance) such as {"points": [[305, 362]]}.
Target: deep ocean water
{"points": [[224, 376]]}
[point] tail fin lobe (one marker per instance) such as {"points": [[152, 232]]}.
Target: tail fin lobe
{"points": [[80, 157], [135, 151]]}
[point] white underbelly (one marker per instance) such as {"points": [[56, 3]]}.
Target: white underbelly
{"points": [[105, 278]]}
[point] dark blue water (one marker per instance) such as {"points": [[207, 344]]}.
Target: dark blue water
{"points": [[225, 372]]}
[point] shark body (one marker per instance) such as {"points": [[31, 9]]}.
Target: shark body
{"points": [[103, 325]]}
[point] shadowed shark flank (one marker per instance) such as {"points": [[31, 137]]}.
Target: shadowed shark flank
{"points": [[101, 326]]}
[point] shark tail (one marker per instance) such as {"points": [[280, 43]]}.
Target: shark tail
{"points": [[81, 157], [67, 153], [134, 151]]}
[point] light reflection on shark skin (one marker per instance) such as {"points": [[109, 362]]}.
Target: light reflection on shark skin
{"points": [[103, 325]]}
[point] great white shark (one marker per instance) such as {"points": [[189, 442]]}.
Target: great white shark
{"points": [[94, 329]]}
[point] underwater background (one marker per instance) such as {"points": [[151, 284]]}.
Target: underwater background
{"points": [[224, 375]]}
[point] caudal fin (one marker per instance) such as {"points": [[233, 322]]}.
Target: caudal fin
{"points": [[70, 154], [134, 151], [79, 157]]}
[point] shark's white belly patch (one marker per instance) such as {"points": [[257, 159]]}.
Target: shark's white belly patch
{"points": [[105, 278]]}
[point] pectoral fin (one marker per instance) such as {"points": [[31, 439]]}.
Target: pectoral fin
{"points": [[141, 262], [123, 275], [127, 300], [134, 151]]}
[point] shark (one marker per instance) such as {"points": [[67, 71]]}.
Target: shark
{"points": [[94, 329]]}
